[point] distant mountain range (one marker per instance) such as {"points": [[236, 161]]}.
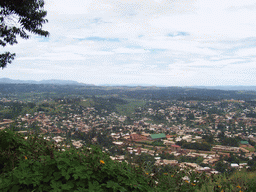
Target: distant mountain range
{"points": [[226, 87], [51, 81], [70, 82], [131, 85]]}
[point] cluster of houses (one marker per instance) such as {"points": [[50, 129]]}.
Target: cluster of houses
{"points": [[144, 130]]}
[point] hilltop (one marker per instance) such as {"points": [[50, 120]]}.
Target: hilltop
{"points": [[51, 81]]}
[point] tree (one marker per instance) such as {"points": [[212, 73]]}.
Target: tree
{"points": [[17, 18], [221, 166]]}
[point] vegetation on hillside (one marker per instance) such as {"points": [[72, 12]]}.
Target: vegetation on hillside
{"points": [[36, 164]]}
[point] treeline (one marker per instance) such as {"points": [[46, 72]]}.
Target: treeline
{"points": [[11, 110], [102, 138], [67, 100], [229, 141], [109, 104], [148, 93], [204, 146]]}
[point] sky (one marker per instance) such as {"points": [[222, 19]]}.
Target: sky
{"points": [[142, 42]]}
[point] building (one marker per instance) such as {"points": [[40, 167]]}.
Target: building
{"points": [[176, 148], [166, 162], [157, 136], [244, 143], [136, 137]]}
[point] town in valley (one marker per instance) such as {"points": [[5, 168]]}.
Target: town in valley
{"points": [[211, 131]]}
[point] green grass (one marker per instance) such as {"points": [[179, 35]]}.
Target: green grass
{"points": [[251, 149], [145, 141], [87, 103], [239, 181], [129, 108]]}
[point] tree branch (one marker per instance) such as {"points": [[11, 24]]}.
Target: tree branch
{"points": [[6, 58]]}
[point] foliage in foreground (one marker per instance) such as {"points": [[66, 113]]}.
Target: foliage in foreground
{"points": [[239, 181], [38, 165]]}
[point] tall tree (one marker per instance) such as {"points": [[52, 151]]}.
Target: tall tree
{"points": [[18, 18]]}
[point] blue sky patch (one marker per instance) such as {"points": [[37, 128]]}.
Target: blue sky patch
{"points": [[102, 39], [42, 39], [179, 33], [157, 50]]}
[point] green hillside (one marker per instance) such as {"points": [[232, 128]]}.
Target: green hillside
{"points": [[36, 164]]}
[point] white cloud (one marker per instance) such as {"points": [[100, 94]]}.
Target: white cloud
{"points": [[179, 42], [249, 52], [130, 51]]}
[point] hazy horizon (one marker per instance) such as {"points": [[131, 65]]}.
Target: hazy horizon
{"points": [[72, 82]]}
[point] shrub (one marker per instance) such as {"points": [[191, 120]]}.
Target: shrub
{"points": [[38, 165], [71, 170]]}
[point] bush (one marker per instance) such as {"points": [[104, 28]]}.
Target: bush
{"points": [[38, 165], [71, 170], [236, 182]]}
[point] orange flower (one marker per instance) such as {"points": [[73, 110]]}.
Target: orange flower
{"points": [[26, 157], [172, 175], [238, 186], [102, 162], [187, 181], [166, 173], [146, 173], [193, 184]]}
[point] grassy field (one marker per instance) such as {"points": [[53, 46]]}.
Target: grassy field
{"points": [[145, 141], [87, 103], [251, 149], [129, 108]]}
